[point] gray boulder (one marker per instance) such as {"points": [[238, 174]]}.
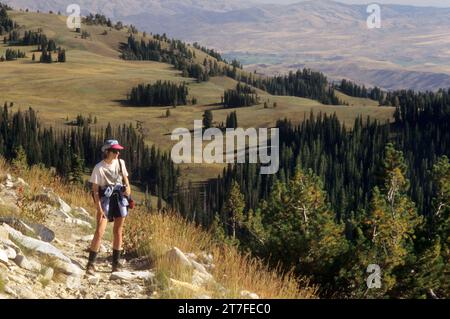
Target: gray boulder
{"points": [[35, 244], [3, 257], [10, 252], [176, 256], [68, 268], [28, 264], [129, 276]]}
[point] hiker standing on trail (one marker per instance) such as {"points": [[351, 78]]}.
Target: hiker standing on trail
{"points": [[111, 191]]}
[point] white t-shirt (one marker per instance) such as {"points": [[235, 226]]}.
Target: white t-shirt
{"points": [[108, 174]]}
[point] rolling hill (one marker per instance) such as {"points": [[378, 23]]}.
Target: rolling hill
{"points": [[94, 81], [409, 51]]}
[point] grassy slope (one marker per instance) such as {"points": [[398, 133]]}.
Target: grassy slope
{"points": [[150, 234], [95, 80], [356, 101]]}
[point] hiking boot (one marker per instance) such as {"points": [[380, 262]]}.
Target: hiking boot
{"points": [[91, 269], [116, 267], [116, 264]]}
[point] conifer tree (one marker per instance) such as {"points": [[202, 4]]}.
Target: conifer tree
{"points": [[76, 172], [302, 230], [207, 119], [234, 208], [388, 229]]}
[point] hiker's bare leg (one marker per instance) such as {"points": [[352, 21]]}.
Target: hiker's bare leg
{"points": [[102, 222], [117, 233]]}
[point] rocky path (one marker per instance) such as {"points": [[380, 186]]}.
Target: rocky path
{"points": [[47, 261], [33, 268]]}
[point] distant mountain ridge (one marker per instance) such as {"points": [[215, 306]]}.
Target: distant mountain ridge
{"points": [[409, 51]]}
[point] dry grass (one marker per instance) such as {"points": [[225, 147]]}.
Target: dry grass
{"points": [[154, 234], [356, 101]]}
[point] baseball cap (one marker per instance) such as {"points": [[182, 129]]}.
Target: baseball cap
{"points": [[111, 144]]}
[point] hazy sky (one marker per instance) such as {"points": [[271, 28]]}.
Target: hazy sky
{"points": [[436, 3]]}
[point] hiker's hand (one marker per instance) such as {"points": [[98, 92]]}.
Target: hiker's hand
{"points": [[127, 192], [100, 215]]}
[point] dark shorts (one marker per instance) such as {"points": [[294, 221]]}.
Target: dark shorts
{"points": [[113, 208]]}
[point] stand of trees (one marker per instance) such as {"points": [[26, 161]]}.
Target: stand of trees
{"points": [[231, 121], [210, 52], [97, 19], [45, 45], [6, 23], [174, 52], [303, 83], [63, 150], [159, 94], [11, 55], [352, 89], [375, 194], [242, 95], [35, 38]]}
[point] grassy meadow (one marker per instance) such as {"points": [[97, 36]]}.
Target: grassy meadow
{"points": [[94, 81]]}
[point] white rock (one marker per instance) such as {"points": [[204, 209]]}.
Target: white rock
{"points": [[82, 212], [9, 291], [178, 257], [76, 221], [64, 206], [93, 280], [50, 197], [248, 294], [200, 268], [16, 278], [129, 276], [48, 273], [4, 234], [3, 257], [145, 275], [199, 279], [73, 282], [122, 275], [28, 264], [184, 285], [137, 289], [60, 212], [10, 244], [35, 244], [110, 295], [88, 238], [10, 252], [191, 256], [25, 293], [69, 268], [103, 249]]}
